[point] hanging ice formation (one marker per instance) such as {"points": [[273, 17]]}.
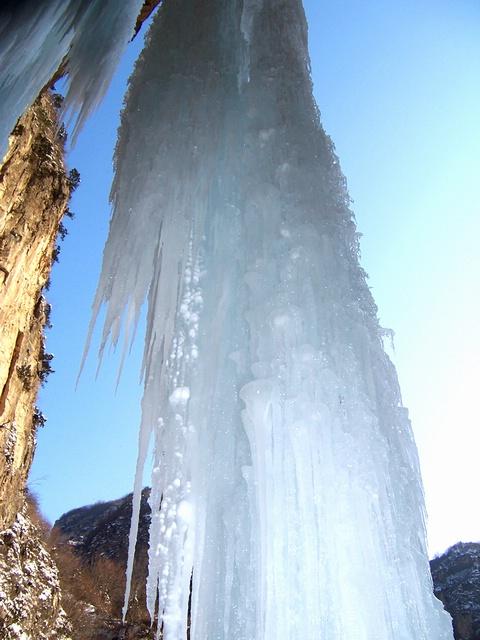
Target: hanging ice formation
{"points": [[37, 37], [285, 476]]}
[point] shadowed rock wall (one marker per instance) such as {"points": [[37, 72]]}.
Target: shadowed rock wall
{"points": [[34, 192], [456, 577]]}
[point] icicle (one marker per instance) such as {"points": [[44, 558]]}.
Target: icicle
{"points": [[285, 473], [249, 10], [143, 443], [39, 38]]}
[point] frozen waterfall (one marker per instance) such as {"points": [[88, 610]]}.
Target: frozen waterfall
{"points": [[285, 476]]}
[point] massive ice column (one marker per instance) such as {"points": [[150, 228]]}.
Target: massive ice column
{"points": [[285, 475]]}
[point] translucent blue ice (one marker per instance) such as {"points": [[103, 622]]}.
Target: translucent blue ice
{"points": [[86, 37]]}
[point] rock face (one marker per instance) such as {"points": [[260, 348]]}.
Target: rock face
{"points": [[34, 192], [101, 530], [456, 578], [30, 603]]}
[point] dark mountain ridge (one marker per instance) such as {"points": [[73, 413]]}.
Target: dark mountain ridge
{"points": [[101, 529], [456, 578]]}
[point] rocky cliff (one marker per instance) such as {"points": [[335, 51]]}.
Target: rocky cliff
{"points": [[30, 600], [456, 576], [34, 193]]}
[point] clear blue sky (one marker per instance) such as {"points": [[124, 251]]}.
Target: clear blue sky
{"points": [[398, 86]]}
